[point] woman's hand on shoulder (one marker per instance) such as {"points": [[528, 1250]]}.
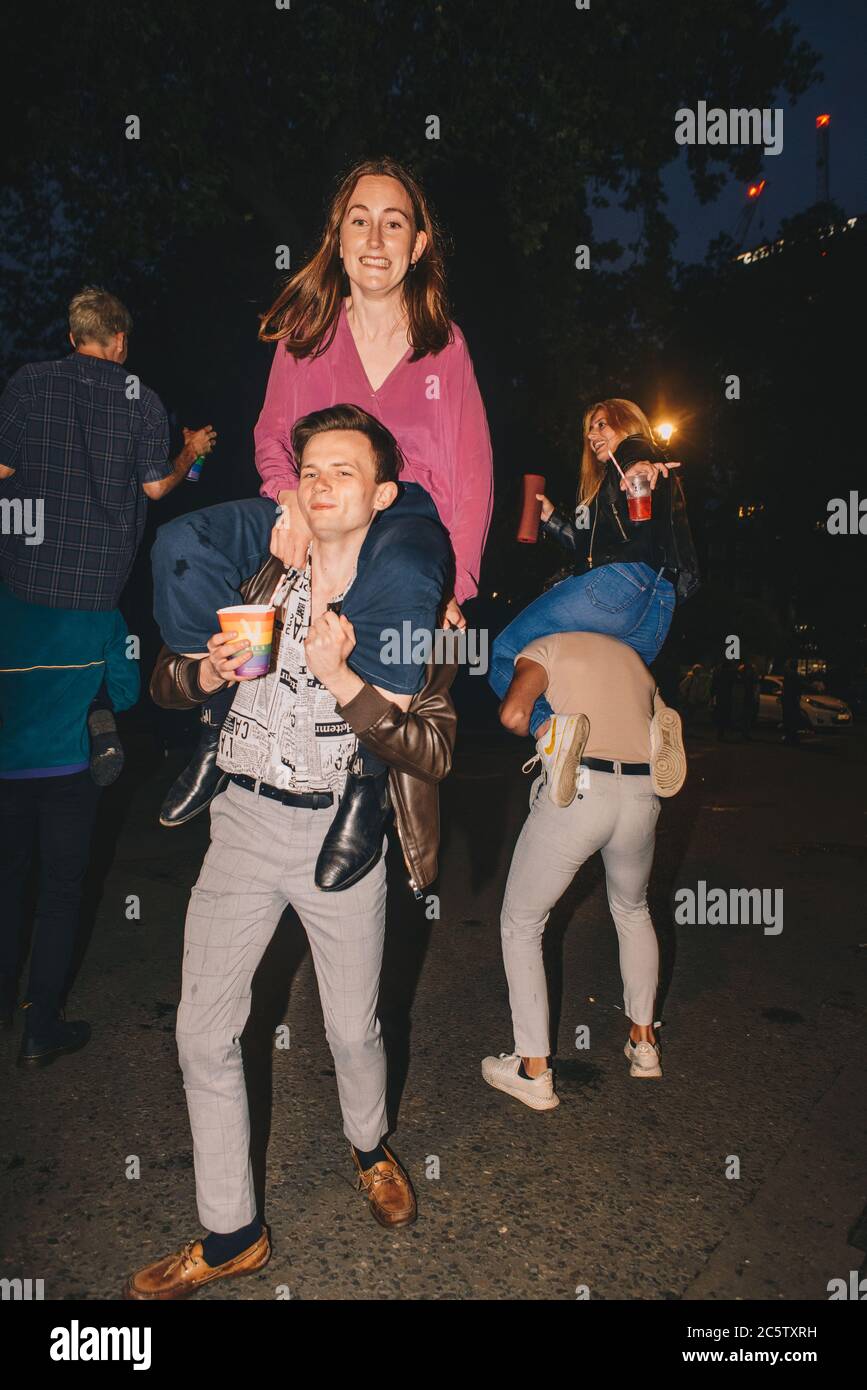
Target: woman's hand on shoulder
{"points": [[453, 617], [290, 538], [547, 506]]}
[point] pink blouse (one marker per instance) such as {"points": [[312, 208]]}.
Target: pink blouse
{"points": [[432, 407]]}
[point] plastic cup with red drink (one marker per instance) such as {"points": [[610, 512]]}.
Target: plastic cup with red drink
{"points": [[639, 497]]}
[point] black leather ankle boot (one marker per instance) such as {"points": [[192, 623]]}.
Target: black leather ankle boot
{"points": [[354, 840], [199, 782]]}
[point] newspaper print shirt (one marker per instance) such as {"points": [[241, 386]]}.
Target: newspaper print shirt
{"points": [[284, 729]]}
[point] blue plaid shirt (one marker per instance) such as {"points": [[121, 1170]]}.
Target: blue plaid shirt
{"points": [[82, 448]]}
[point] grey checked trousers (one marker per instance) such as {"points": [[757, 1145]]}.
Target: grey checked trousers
{"points": [[618, 816], [262, 857]]}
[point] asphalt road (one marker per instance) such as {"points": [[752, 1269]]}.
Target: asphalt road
{"points": [[622, 1191]]}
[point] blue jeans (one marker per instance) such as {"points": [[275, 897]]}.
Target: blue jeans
{"points": [[200, 561], [629, 602]]}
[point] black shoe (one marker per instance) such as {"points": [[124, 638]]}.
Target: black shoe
{"points": [[354, 840], [199, 782], [48, 1037], [106, 750], [8, 1000]]}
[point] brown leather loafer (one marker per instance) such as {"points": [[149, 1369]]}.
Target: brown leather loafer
{"points": [[389, 1190], [182, 1274]]}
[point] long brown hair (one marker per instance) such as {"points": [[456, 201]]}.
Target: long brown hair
{"points": [[309, 304], [624, 416]]}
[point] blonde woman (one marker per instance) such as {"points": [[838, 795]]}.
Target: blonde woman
{"points": [[624, 585]]}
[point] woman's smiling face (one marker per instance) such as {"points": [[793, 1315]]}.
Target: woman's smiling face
{"points": [[378, 239], [603, 438]]}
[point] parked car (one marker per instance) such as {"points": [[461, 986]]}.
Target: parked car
{"points": [[818, 710]]}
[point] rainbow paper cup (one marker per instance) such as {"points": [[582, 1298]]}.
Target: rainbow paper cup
{"points": [[254, 623]]}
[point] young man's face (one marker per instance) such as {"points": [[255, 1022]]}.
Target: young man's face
{"points": [[338, 492]]}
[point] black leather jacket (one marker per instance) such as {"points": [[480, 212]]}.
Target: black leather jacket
{"points": [[610, 537]]}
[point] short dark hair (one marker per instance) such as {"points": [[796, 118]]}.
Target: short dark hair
{"points": [[95, 315], [386, 450]]}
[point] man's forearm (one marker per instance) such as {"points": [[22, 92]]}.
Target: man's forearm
{"points": [[344, 685], [418, 741], [180, 468]]}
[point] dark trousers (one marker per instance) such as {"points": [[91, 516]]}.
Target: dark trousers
{"points": [[58, 814], [792, 723]]}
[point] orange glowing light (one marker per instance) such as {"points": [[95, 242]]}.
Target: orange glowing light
{"points": [[822, 120], [755, 189]]}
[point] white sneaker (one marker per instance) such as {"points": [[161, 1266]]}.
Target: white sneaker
{"points": [[502, 1073], [667, 753], [643, 1058], [559, 752]]}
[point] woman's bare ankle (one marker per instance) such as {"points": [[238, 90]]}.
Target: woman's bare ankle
{"points": [[642, 1032]]}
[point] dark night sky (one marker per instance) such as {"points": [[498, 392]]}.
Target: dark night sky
{"points": [[837, 29]]}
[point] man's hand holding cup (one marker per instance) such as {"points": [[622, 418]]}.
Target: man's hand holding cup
{"points": [[225, 654]]}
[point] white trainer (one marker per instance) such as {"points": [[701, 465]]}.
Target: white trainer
{"points": [[667, 753], [643, 1058], [559, 752], [502, 1073]]}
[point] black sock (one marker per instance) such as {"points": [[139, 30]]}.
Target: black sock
{"points": [[367, 1160], [217, 1249]]}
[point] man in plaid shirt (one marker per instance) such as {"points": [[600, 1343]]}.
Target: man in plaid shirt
{"points": [[86, 444], [83, 445]]}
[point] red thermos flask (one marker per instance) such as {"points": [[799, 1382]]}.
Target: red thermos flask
{"points": [[528, 527]]}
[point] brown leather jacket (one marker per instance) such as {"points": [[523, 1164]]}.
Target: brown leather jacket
{"points": [[417, 744]]}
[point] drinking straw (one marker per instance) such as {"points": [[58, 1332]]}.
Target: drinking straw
{"points": [[623, 475], [619, 469]]}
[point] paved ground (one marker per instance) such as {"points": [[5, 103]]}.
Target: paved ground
{"points": [[623, 1189]]}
